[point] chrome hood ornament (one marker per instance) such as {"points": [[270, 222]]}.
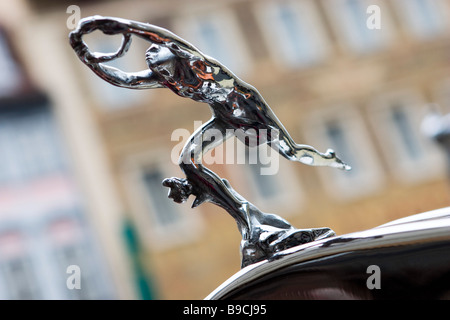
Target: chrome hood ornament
{"points": [[237, 109]]}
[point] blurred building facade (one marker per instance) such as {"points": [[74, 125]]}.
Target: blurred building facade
{"points": [[352, 75], [52, 245]]}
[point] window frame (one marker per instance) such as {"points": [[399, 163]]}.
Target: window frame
{"points": [[21, 252], [403, 168], [347, 35], [370, 176], [404, 11], [274, 37], [156, 237]]}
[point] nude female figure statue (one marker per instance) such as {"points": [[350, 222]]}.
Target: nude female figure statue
{"points": [[176, 64]]}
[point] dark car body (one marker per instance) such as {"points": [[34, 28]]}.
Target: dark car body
{"points": [[407, 258]]}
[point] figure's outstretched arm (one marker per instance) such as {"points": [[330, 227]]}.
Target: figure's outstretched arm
{"points": [[144, 79], [146, 31]]}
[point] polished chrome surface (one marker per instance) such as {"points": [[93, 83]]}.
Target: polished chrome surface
{"points": [[236, 106], [412, 253]]}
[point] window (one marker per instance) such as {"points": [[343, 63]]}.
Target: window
{"points": [[161, 222], [16, 269], [405, 131], [170, 224], [29, 144], [349, 19], [342, 129], [78, 254], [164, 210], [424, 18], [35, 255], [216, 34], [293, 32], [72, 255], [10, 76], [268, 186], [271, 180], [396, 119], [20, 279], [72, 246], [210, 38], [339, 140]]}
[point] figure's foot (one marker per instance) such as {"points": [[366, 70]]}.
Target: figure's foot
{"points": [[180, 189], [336, 162], [270, 242], [297, 237]]}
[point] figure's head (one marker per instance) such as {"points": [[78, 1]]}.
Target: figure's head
{"points": [[158, 56]]}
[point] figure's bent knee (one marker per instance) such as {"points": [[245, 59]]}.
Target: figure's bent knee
{"points": [[190, 156], [186, 158], [188, 163]]}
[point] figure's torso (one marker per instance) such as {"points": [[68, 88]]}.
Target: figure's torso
{"points": [[229, 97]]}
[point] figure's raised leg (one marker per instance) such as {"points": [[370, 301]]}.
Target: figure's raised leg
{"points": [[285, 145]]}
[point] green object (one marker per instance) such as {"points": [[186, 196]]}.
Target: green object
{"points": [[141, 278]]}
